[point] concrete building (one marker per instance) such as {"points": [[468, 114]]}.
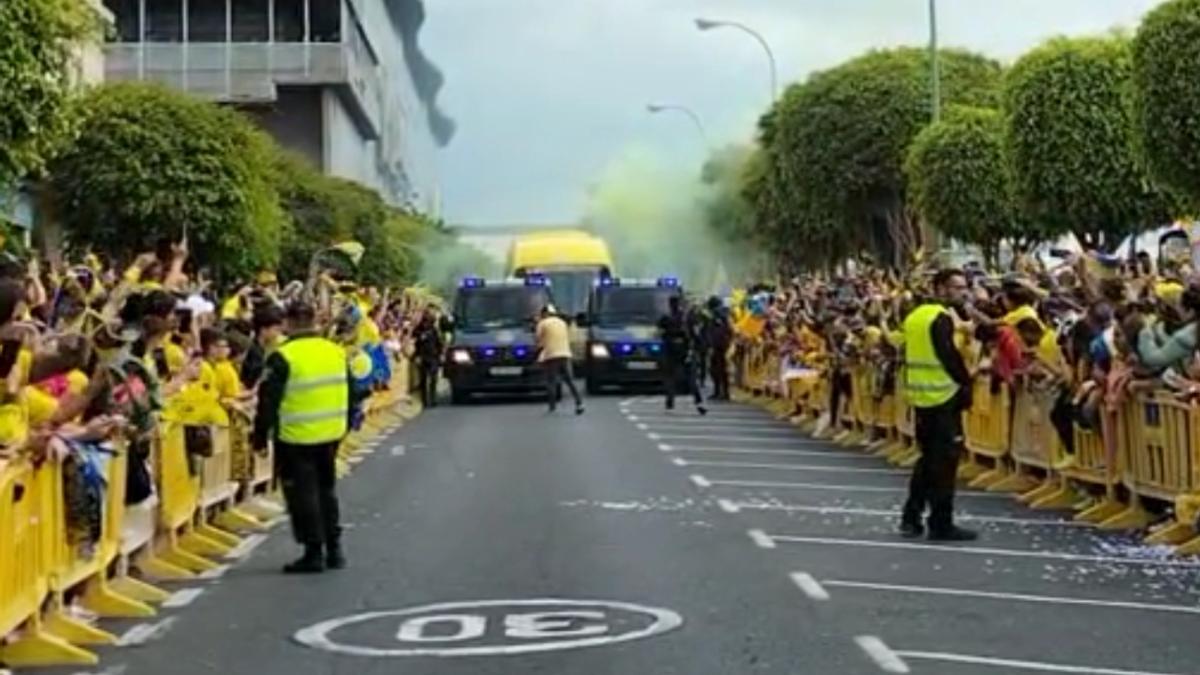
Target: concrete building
{"points": [[339, 81]]}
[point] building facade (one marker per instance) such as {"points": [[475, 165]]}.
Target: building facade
{"points": [[327, 78]]}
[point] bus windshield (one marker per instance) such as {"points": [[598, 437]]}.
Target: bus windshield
{"points": [[571, 289], [624, 306], [492, 308]]}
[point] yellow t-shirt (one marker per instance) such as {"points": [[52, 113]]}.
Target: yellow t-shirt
{"points": [[1050, 354], [1020, 314], [228, 381], [553, 338], [368, 333]]}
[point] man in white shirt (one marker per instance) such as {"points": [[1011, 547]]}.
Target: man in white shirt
{"points": [[554, 353]]}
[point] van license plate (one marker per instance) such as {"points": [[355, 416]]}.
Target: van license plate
{"points": [[642, 365], [507, 371]]}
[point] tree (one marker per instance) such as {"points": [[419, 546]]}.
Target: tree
{"points": [[151, 163], [317, 216], [1070, 138], [840, 140], [958, 179], [38, 39], [1166, 59]]}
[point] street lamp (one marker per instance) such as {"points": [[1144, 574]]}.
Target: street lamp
{"points": [[710, 24], [935, 62], [656, 108]]}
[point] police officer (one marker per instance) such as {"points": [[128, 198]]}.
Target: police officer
{"points": [[720, 337], [938, 386], [304, 404], [679, 355], [429, 341]]}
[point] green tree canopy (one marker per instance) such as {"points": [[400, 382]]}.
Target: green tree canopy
{"points": [[958, 178], [1166, 61], [840, 139], [38, 39], [150, 162], [1070, 141]]}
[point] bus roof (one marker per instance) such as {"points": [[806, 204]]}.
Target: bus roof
{"points": [[557, 250]]}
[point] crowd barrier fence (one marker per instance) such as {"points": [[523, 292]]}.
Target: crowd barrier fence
{"points": [[201, 510]]}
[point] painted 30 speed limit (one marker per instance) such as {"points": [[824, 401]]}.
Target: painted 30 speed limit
{"points": [[489, 628]]}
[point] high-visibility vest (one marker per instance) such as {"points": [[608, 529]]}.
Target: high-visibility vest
{"points": [[316, 400], [927, 383]]}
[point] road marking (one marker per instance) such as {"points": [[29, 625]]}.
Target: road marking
{"points": [[528, 626], [1018, 665], [1014, 597], [183, 597], [727, 506], [399, 451], [707, 421], [764, 451], [761, 539], [887, 660], [677, 428], [786, 467], [358, 459], [845, 488], [113, 670], [641, 426], [215, 573], [974, 550], [143, 633], [810, 586], [794, 440], [246, 547], [895, 513], [700, 481], [678, 461]]}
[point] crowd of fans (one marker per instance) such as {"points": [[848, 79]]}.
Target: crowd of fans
{"points": [[90, 353], [1085, 333]]}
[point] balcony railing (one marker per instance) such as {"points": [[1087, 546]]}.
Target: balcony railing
{"points": [[251, 72]]}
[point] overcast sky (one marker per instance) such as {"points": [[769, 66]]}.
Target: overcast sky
{"points": [[547, 93]]}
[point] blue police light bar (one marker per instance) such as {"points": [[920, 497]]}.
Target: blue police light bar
{"points": [[668, 282], [520, 352], [536, 280], [655, 347], [471, 282], [489, 352], [626, 348]]}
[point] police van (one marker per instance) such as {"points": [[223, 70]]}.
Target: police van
{"points": [[493, 349], [624, 346]]}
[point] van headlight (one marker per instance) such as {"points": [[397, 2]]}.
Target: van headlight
{"points": [[461, 356], [599, 350]]}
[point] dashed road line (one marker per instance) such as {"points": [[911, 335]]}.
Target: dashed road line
{"points": [[728, 506], [764, 451], [845, 488], [1015, 664], [978, 550], [761, 539], [700, 481], [883, 656], [895, 513], [183, 597], [819, 468], [759, 429], [1012, 597], [143, 633], [215, 573], [810, 586], [246, 547], [798, 441]]}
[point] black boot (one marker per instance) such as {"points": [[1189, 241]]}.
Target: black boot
{"points": [[951, 533], [311, 562], [335, 559], [910, 529]]}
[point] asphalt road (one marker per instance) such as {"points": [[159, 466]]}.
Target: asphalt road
{"points": [[494, 539]]}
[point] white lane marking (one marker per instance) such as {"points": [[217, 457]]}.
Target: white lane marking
{"points": [[143, 633], [787, 467], [665, 448], [700, 481], [846, 488], [653, 437], [183, 597], [399, 451], [708, 420], [1014, 597], [895, 513], [113, 670], [642, 427], [810, 586], [791, 440], [215, 573], [966, 659], [728, 506], [764, 451], [535, 631], [761, 539], [359, 459], [247, 546], [887, 660], [678, 461], [708, 428], [974, 550]]}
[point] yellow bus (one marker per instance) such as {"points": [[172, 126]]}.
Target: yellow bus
{"points": [[572, 260]]}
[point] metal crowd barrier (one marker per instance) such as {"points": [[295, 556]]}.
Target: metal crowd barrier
{"points": [[200, 508]]}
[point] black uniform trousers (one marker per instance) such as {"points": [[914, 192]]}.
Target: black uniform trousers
{"points": [[677, 369], [719, 368], [427, 380], [940, 439], [308, 474]]}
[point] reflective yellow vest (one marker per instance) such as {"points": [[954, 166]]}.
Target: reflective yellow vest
{"points": [[927, 383], [316, 400]]}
